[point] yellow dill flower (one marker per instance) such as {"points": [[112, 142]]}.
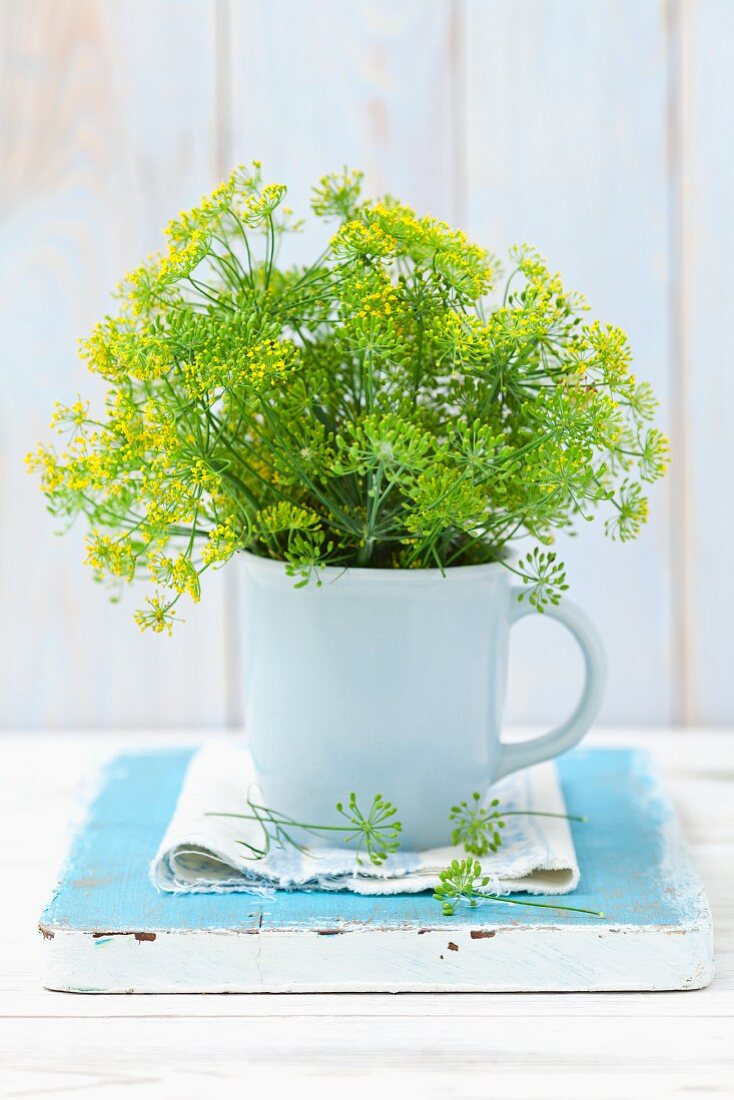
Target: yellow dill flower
{"points": [[106, 554], [178, 573], [183, 256], [267, 361], [257, 208], [337, 194], [44, 460], [357, 239], [157, 617], [203, 476], [222, 543], [375, 407], [66, 417]]}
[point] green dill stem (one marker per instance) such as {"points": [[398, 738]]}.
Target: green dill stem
{"points": [[286, 373], [281, 820], [537, 904], [270, 250], [191, 536], [507, 285], [540, 813], [246, 241], [246, 492], [225, 244], [349, 526], [204, 290], [374, 482]]}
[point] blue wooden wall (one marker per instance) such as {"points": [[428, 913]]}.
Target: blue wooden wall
{"points": [[598, 130]]}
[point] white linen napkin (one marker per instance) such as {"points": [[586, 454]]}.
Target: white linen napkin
{"points": [[200, 854]]}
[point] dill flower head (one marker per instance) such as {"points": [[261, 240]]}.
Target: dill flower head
{"points": [[399, 403]]}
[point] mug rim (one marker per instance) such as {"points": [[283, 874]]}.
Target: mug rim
{"points": [[274, 568]]}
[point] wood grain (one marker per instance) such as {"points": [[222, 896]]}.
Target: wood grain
{"points": [[566, 147], [706, 386], [104, 133], [571, 1046], [369, 85], [596, 129]]}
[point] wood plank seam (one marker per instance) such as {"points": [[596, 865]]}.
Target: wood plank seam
{"points": [[678, 34]]}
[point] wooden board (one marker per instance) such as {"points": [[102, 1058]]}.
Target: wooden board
{"points": [[104, 134], [538, 1046], [561, 153], [590, 129], [706, 382], [106, 930]]}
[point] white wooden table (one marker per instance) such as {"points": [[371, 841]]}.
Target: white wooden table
{"points": [[470, 1045]]}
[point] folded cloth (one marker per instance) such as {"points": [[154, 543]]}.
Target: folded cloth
{"points": [[201, 853]]}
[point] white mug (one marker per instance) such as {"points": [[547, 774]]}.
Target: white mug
{"points": [[390, 682]]}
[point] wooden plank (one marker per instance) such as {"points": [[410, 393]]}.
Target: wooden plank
{"points": [[369, 85], [706, 527], [536, 1046], [105, 134], [695, 766], [566, 148], [429, 1053], [556, 117], [106, 930]]}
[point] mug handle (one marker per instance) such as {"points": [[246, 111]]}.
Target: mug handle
{"points": [[570, 732]]}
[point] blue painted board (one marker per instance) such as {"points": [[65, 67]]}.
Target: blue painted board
{"points": [[106, 929], [621, 852]]}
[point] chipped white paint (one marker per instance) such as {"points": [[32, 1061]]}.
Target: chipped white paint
{"points": [[106, 930], [371, 960]]}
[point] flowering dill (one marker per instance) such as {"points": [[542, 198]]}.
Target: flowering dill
{"points": [[376, 833], [463, 882], [399, 403]]}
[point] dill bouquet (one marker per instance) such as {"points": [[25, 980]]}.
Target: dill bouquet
{"points": [[398, 404]]}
